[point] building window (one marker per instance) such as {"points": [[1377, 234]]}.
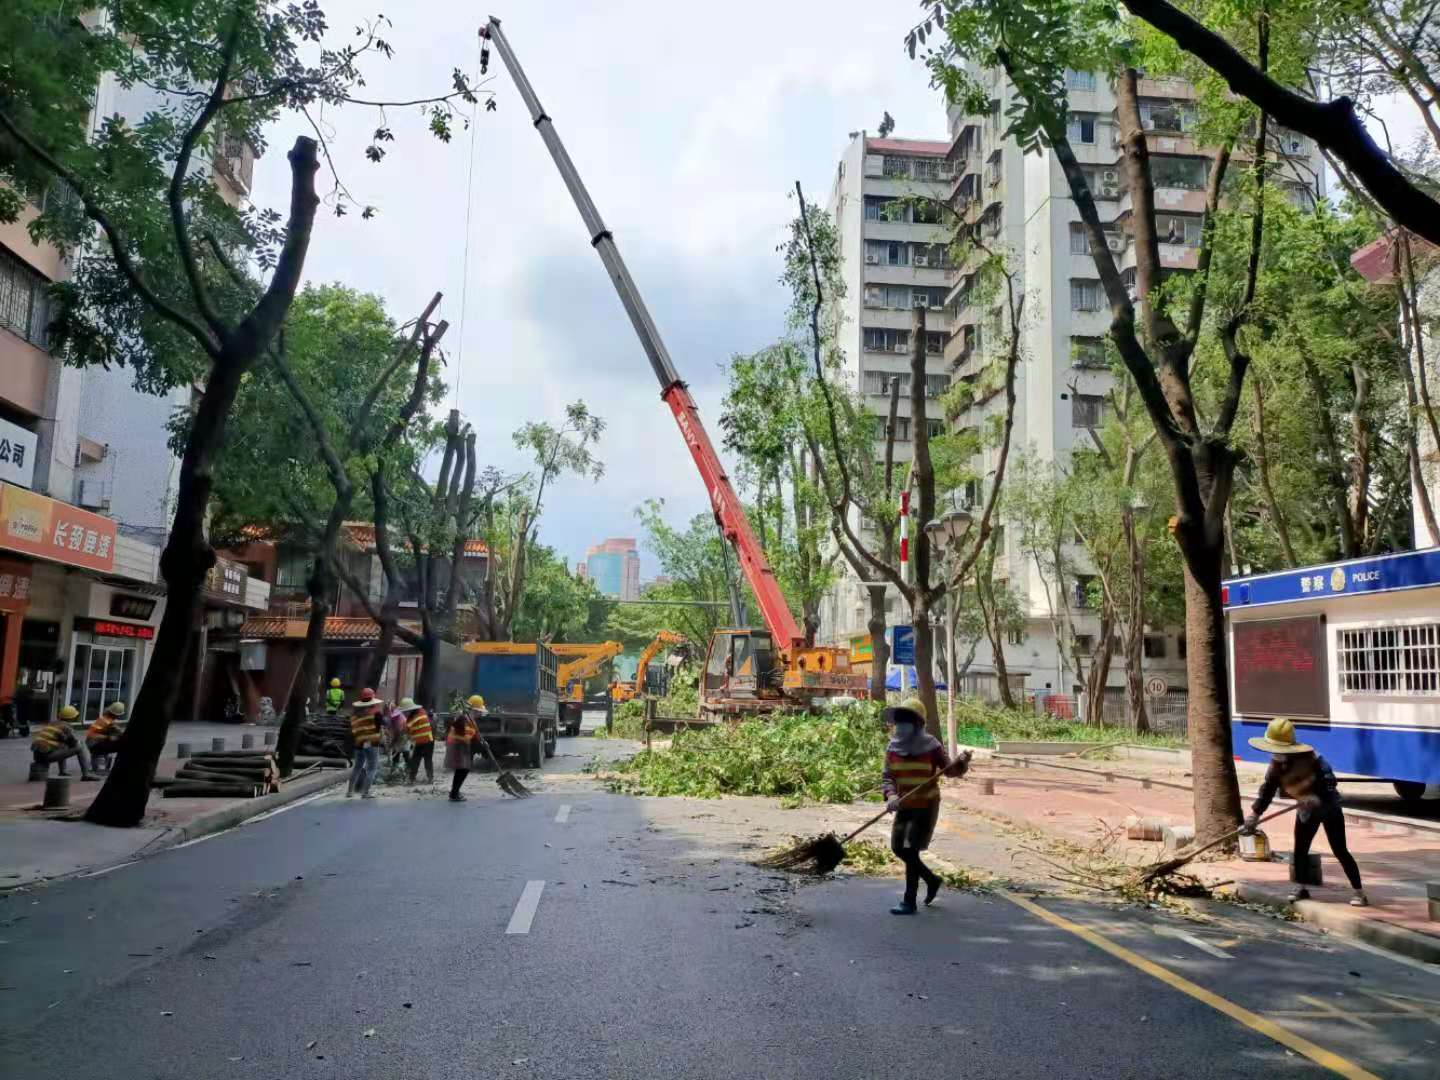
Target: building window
{"points": [[1084, 295], [1179, 229], [1085, 643], [902, 429], [1399, 661], [1177, 116], [292, 569], [878, 339], [926, 168], [897, 254], [935, 385], [884, 208], [1086, 410], [934, 428], [1088, 352], [1079, 238], [1180, 172], [1154, 647], [934, 342], [1082, 128], [24, 301], [1180, 646], [874, 295], [1015, 637], [895, 166], [878, 382], [1079, 80]]}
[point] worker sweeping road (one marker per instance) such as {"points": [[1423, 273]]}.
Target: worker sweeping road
{"points": [[365, 732], [459, 744], [915, 759], [422, 739], [102, 738], [1305, 776], [334, 698], [57, 743]]}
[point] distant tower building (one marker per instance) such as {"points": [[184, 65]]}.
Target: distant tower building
{"points": [[614, 567]]}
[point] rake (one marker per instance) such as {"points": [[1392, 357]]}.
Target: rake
{"points": [[819, 855], [508, 781], [1169, 866]]}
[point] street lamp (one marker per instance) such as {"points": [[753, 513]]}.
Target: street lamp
{"points": [[945, 533]]}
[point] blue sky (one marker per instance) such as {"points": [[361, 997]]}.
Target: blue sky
{"points": [[690, 125]]}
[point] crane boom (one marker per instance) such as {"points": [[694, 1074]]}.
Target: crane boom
{"points": [[729, 512]]}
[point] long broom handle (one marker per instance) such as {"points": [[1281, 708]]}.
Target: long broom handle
{"points": [[1231, 835], [903, 798]]}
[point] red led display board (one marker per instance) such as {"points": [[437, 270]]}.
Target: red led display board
{"points": [[1280, 667]]}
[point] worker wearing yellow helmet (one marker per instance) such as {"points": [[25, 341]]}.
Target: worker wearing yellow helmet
{"points": [[57, 743], [102, 738], [460, 743], [334, 697]]}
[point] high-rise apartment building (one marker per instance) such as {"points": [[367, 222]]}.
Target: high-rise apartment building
{"points": [[1020, 206], [614, 567]]}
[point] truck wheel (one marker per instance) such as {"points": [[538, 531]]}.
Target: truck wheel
{"points": [[534, 751], [1409, 790], [551, 739]]}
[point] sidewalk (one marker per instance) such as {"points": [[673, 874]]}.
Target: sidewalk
{"points": [[1396, 859], [41, 845]]}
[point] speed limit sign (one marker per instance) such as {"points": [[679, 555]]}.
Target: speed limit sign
{"points": [[1155, 687]]}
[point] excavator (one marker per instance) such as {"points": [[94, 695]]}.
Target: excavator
{"points": [[628, 691], [579, 664], [747, 670]]}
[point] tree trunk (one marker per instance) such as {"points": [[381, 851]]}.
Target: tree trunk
{"points": [[1135, 627], [1099, 675], [319, 585], [925, 664], [1217, 791], [879, 647], [425, 689]]}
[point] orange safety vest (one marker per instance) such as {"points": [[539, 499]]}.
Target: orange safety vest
{"points": [[102, 728], [418, 725], [910, 773], [365, 728], [51, 737], [462, 731]]}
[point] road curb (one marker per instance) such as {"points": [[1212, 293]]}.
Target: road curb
{"points": [[229, 816], [1343, 922]]}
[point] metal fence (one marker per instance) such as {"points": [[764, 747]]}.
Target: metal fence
{"points": [[1166, 714]]}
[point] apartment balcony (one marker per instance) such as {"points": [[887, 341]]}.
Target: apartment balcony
{"points": [[1172, 257], [1177, 89], [897, 187], [907, 231], [1169, 200], [878, 273]]}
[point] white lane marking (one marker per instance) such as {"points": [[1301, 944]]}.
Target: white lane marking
{"points": [[525, 908], [563, 814], [281, 809], [1199, 943], [117, 866], [1365, 946]]}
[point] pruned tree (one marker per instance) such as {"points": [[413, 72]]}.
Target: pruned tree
{"points": [[139, 204]]}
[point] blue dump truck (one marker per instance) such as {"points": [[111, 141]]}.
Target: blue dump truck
{"points": [[518, 684]]}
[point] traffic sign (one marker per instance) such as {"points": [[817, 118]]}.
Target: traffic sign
{"points": [[902, 644], [1155, 687]]}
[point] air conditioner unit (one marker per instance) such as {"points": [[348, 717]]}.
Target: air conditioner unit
{"points": [[1109, 176], [1109, 191], [922, 260], [872, 260], [1115, 243], [94, 494], [901, 348]]}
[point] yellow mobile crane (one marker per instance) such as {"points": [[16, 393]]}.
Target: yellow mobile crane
{"points": [[579, 664], [626, 691]]}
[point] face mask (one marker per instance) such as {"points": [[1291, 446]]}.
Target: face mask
{"points": [[904, 732]]}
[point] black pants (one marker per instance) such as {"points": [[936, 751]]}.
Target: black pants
{"points": [[1334, 822], [909, 835], [422, 752], [460, 775]]}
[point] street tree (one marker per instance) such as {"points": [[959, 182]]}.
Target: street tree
{"points": [[138, 212]]}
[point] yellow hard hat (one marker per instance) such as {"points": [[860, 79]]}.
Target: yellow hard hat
{"points": [[334, 682], [68, 712], [116, 708], [1279, 738], [914, 705], [475, 701]]}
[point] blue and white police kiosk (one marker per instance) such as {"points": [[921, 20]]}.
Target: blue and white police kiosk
{"points": [[1351, 652]]}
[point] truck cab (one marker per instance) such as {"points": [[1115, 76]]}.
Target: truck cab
{"points": [[518, 683], [742, 672]]}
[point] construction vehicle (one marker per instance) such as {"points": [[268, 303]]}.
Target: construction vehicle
{"points": [[578, 665], [628, 691], [518, 683], [747, 670]]}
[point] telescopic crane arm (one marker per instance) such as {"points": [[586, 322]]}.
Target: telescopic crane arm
{"points": [[727, 508]]}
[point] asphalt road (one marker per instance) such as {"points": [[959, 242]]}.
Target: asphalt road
{"points": [[582, 934]]}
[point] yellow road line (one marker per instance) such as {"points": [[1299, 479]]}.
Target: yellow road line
{"points": [[1285, 1037]]}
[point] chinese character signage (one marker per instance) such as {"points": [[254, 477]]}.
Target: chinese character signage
{"points": [[54, 530], [226, 581], [17, 454], [14, 585], [108, 628], [1387, 573], [124, 606]]}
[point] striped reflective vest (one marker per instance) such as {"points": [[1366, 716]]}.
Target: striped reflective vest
{"points": [[419, 727], [102, 728], [51, 737], [365, 728], [462, 730], [910, 773]]}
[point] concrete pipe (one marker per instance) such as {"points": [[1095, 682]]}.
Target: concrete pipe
{"points": [[1176, 838], [269, 738], [182, 750], [987, 787], [39, 770], [57, 793], [1308, 872], [247, 742], [217, 744]]}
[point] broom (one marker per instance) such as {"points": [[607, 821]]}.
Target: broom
{"points": [[820, 855], [1169, 866], [508, 781]]}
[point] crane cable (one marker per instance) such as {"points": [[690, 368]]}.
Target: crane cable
{"points": [[480, 65]]}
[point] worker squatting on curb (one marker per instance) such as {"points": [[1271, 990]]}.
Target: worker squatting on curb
{"points": [[915, 759], [56, 743], [1305, 776]]}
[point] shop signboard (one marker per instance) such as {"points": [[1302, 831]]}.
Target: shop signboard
{"points": [[225, 581], [47, 529], [112, 628], [126, 606], [17, 454], [14, 585]]}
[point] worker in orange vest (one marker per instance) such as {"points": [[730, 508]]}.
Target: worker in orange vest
{"points": [[422, 739], [914, 763], [365, 733], [460, 741], [103, 736], [57, 742]]}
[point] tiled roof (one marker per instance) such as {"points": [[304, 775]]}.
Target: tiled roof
{"points": [[337, 628], [908, 146], [362, 535], [1376, 260]]}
